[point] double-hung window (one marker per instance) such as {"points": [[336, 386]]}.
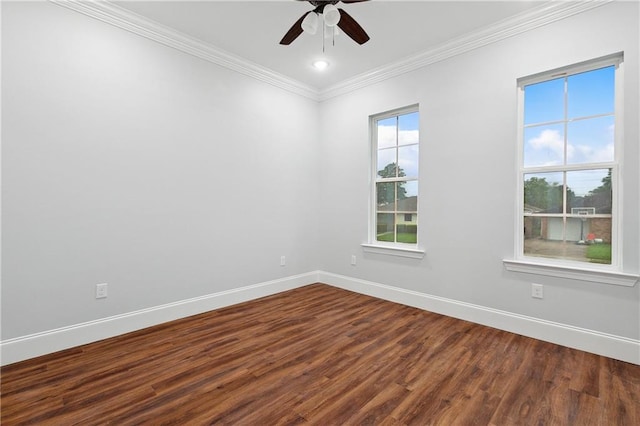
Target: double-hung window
{"points": [[569, 130], [395, 182]]}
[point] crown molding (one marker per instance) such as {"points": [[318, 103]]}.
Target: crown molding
{"points": [[132, 22], [546, 13]]}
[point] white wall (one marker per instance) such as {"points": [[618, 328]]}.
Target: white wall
{"points": [[127, 162], [170, 178], [467, 154]]}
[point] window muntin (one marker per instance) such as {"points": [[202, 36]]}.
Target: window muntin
{"points": [[396, 147], [569, 166]]}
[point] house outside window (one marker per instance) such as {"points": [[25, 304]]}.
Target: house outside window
{"points": [[395, 138], [568, 128]]}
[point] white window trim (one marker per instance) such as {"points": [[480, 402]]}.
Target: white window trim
{"points": [[607, 274], [394, 250], [566, 270], [380, 247]]}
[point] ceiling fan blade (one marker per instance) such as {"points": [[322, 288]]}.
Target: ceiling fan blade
{"points": [[353, 1], [294, 31], [352, 28]]}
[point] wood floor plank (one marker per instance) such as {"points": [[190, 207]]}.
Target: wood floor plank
{"points": [[319, 355]]}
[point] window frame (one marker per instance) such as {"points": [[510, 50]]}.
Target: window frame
{"points": [[411, 250], [607, 273]]}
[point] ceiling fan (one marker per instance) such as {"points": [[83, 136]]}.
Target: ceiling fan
{"points": [[332, 16]]}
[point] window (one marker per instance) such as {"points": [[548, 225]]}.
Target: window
{"points": [[395, 157], [568, 195]]}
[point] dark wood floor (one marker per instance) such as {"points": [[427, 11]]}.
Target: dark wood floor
{"points": [[324, 356]]}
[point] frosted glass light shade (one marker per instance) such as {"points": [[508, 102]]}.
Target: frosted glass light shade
{"points": [[331, 15], [310, 23]]}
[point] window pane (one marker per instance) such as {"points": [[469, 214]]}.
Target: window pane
{"points": [[597, 238], [384, 227], [543, 193], [590, 140], [408, 161], [387, 163], [590, 93], [406, 230], [544, 145], [589, 192], [385, 196], [387, 132], [410, 187], [407, 196], [408, 126], [544, 101]]}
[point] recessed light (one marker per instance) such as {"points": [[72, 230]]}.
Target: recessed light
{"points": [[320, 64]]}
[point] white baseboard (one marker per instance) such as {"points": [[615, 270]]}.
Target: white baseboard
{"points": [[617, 347], [26, 347], [33, 345]]}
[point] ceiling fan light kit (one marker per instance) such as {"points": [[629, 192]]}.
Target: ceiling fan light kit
{"points": [[332, 17]]}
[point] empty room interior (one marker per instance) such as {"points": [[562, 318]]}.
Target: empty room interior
{"points": [[438, 224]]}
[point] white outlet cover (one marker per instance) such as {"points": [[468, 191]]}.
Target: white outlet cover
{"points": [[101, 290], [537, 291]]}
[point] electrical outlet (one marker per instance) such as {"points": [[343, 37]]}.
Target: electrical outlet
{"points": [[537, 291], [353, 259], [101, 290], [283, 260]]}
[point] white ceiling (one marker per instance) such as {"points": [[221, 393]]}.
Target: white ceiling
{"points": [[398, 29]]}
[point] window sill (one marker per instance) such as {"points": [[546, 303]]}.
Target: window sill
{"points": [[592, 275], [412, 253]]}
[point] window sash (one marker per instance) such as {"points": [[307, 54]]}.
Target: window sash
{"points": [[376, 179], [615, 60]]}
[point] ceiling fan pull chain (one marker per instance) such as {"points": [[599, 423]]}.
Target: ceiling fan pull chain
{"points": [[323, 35]]}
